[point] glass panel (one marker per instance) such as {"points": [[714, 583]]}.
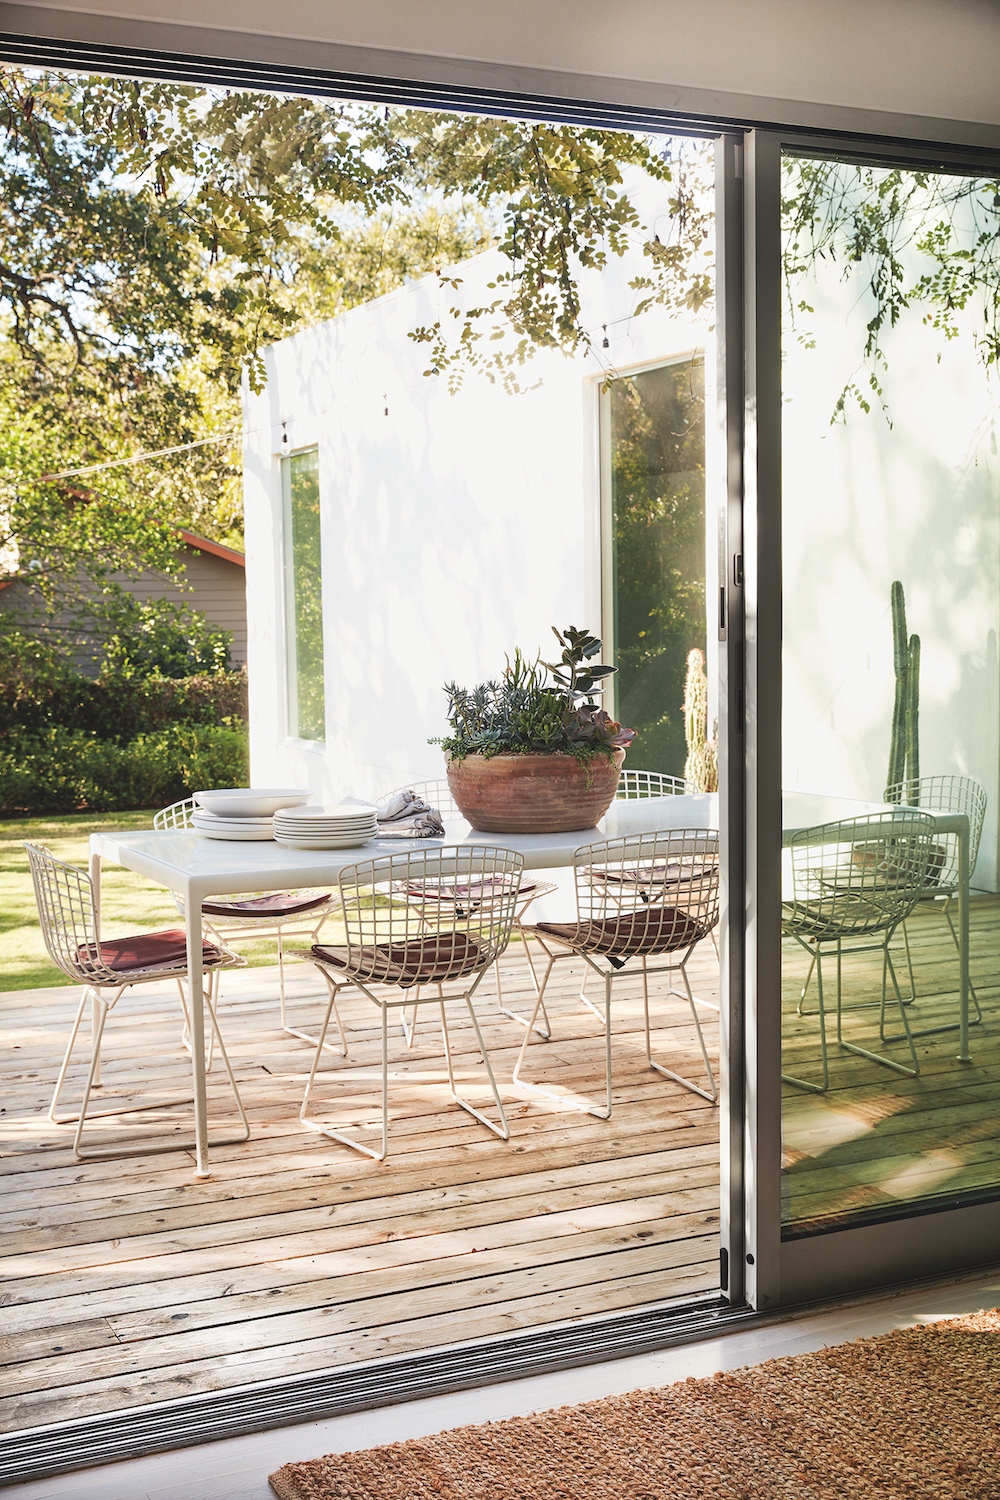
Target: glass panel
{"points": [[306, 709], [891, 557], [657, 437]]}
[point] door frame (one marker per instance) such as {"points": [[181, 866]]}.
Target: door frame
{"points": [[922, 1242]]}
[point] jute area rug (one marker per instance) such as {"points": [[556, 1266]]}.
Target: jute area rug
{"points": [[913, 1413]]}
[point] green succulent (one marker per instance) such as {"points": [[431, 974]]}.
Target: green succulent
{"points": [[524, 712]]}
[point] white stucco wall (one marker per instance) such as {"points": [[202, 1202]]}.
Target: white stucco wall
{"points": [[455, 527], [866, 502]]}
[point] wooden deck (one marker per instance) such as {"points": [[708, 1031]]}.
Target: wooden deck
{"points": [[128, 1281], [878, 1139]]}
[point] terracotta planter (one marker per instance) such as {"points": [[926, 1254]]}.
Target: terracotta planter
{"points": [[533, 793]]}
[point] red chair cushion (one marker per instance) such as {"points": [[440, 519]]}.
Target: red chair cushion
{"points": [[424, 960], [654, 929], [276, 904], [147, 950]]}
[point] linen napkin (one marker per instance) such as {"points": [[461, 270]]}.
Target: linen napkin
{"points": [[407, 816]]}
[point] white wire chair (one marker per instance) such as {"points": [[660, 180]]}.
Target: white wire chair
{"points": [[394, 952], [657, 899], [256, 914], [957, 794], [635, 784], [853, 882], [437, 793], [68, 918]]}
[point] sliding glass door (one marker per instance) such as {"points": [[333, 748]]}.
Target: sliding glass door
{"points": [[880, 498]]}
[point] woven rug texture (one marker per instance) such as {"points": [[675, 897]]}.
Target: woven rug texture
{"points": [[910, 1414]]}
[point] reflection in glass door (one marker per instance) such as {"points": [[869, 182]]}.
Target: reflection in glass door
{"points": [[655, 425], [891, 589]]}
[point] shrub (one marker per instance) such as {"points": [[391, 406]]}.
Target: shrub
{"points": [[38, 691], [65, 770], [160, 639]]}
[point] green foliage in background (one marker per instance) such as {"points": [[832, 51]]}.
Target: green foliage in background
{"points": [[39, 690], [658, 497], [158, 235], [60, 770]]}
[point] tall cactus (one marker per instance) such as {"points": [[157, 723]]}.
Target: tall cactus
{"points": [[904, 750], [701, 769]]}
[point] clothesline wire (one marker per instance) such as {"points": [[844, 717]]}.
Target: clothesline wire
{"points": [[138, 458]]}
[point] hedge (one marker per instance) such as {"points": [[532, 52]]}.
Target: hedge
{"points": [[66, 770], [118, 709]]}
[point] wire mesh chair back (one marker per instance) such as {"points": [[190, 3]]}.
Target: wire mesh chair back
{"points": [[957, 794], [633, 785], [66, 912], [177, 815], [65, 898], [391, 941], [436, 794], [654, 892], [857, 876]]}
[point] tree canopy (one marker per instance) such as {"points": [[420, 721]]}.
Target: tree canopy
{"points": [[156, 236]]}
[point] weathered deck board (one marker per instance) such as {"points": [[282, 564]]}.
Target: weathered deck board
{"points": [[129, 1281], [879, 1139]]}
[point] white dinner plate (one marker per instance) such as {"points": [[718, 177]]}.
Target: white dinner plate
{"points": [[316, 828], [320, 827], [238, 835], [320, 843], [348, 812], [207, 820]]}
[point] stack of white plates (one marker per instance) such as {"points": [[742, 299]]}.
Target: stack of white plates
{"points": [[241, 812], [347, 826], [211, 826]]}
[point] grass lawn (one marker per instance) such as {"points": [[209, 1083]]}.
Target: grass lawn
{"points": [[129, 903]]}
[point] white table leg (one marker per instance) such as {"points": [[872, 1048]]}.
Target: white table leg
{"points": [[95, 884], [196, 1006], [964, 877]]}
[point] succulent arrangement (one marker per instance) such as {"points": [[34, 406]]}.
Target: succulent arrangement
{"points": [[538, 707]]}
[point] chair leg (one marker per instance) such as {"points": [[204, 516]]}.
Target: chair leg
{"points": [[515, 1076], [802, 1083], [305, 1036], [321, 1043], [545, 1030], [929, 1030], [600, 1114], [887, 1062], [101, 1009], [502, 1130], [712, 1093], [410, 1025], [958, 950]]}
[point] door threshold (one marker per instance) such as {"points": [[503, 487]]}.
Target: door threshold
{"points": [[85, 1442]]}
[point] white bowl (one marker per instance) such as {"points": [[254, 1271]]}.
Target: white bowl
{"points": [[249, 802]]}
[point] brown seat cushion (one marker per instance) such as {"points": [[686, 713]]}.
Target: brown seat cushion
{"points": [[276, 904], [472, 891], [692, 867], [423, 960], [655, 929], [148, 950]]}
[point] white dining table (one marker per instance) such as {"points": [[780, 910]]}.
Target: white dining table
{"points": [[197, 868]]}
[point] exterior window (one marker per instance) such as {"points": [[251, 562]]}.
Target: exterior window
{"points": [[304, 596], [654, 542]]}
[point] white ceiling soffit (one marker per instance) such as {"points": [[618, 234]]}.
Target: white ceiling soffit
{"points": [[924, 69]]}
